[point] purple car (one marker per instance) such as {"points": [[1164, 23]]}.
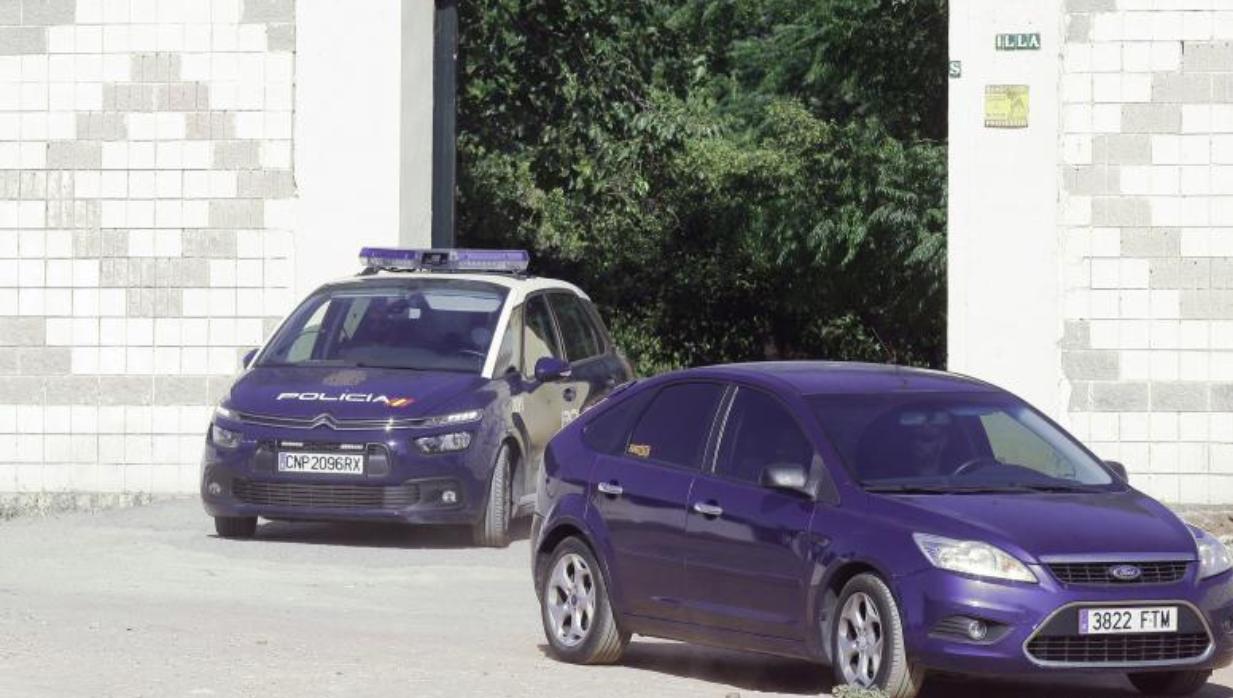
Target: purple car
{"points": [[886, 521]]}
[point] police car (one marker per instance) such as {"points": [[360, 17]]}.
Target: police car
{"points": [[423, 390]]}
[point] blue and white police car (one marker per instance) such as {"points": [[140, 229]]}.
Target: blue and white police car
{"points": [[423, 390]]}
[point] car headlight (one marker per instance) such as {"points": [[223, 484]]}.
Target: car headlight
{"points": [[449, 420], [224, 438], [444, 443], [972, 557], [226, 413], [1213, 555]]}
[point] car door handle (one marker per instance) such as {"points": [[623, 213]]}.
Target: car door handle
{"points": [[611, 489], [710, 511], [569, 394]]}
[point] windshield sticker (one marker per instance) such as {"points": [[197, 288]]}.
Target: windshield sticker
{"points": [[348, 397], [640, 450]]}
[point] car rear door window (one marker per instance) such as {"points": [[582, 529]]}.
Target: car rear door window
{"points": [[608, 431], [539, 339], [760, 432], [577, 332], [674, 428]]}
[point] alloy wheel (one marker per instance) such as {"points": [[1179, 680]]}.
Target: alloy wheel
{"points": [[860, 640], [569, 597]]}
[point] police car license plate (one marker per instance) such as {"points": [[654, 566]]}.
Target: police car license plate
{"points": [[321, 463], [1117, 621]]}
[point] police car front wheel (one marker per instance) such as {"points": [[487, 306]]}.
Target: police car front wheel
{"points": [[492, 530], [235, 526]]}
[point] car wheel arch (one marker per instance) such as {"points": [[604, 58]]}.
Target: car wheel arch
{"points": [[825, 597]]}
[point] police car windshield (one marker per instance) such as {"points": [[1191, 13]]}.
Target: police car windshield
{"points": [[417, 324], [954, 443]]}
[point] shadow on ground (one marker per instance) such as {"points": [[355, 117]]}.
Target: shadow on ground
{"points": [[753, 672], [377, 535]]}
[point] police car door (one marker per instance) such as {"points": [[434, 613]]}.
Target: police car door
{"points": [[540, 404]]}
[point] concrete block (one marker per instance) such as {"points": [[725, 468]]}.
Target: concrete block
{"points": [[1151, 242], [279, 184], [1151, 118], [1077, 334], [138, 97], [1222, 273], [1222, 87], [1182, 87], [43, 361], [10, 12], [1074, 6], [1207, 57], [1079, 29], [182, 96], [21, 390], [1089, 180], [72, 390], [180, 390], [48, 12], [208, 125], [210, 243], [1119, 397], [125, 390], [1179, 396], [22, 332], [1122, 149], [21, 41], [74, 155], [155, 67], [101, 126], [1118, 212], [280, 37], [1090, 365], [239, 155], [1190, 273], [1206, 305], [272, 11], [237, 213]]}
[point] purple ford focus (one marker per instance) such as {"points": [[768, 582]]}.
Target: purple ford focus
{"points": [[884, 521]]}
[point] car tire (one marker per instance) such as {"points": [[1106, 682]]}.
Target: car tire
{"points": [[492, 530], [576, 611], [235, 526], [867, 640], [1169, 683]]}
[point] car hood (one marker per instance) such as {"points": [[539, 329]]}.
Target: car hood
{"points": [[1058, 525], [349, 393]]}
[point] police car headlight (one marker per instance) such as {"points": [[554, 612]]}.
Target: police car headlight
{"points": [[449, 420], [444, 443], [226, 413], [224, 438], [1214, 557]]}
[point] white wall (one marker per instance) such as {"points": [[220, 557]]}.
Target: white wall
{"points": [[1004, 307], [349, 102]]}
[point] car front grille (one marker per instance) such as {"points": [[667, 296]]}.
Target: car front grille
{"points": [[1099, 573], [1118, 649], [296, 495], [331, 422]]}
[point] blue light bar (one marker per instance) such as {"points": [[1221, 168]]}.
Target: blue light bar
{"points": [[401, 259]]}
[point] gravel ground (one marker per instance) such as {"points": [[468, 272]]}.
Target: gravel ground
{"points": [[146, 602]]}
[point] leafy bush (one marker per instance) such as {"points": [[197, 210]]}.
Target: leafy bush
{"points": [[749, 179]]}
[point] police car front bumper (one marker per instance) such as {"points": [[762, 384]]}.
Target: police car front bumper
{"points": [[398, 483]]}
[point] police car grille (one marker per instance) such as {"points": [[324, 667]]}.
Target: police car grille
{"points": [[282, 494], [1118, 649], [267, 420], [1097, 573]]}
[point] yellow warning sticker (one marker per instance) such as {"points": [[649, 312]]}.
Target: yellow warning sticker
{"points": [[640, 450], [1006, 106]]}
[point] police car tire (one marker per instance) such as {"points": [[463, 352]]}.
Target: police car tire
{"points": [[897, 678], [606, 643], [492, 531], [235, 526], [1169, 683]]}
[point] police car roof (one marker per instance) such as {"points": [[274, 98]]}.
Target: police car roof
{"points": [[519, 285], [835, 377]]}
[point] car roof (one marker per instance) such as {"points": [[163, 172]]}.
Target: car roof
{"points": [[519, 286], [842, 377]]}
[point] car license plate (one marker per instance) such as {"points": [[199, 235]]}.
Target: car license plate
{"points": [[1117, 621], [322, 463]]}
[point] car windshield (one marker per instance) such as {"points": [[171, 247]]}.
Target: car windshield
{"points": [[954, 443], [420, 324]]}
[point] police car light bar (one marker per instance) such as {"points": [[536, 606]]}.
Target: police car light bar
{"points": [[401, 259]]}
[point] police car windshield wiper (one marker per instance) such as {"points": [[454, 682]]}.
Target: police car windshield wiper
{"points": [[365, 364]]}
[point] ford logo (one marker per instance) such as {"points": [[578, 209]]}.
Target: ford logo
{"points": [[1125, 573]]}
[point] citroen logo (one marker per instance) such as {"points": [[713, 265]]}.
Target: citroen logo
{"points": [[1125, 573]]}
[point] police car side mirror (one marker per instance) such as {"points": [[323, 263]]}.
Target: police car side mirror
{"points": [[1118, 470], [785, 476], [248, 357], [550, 368]]}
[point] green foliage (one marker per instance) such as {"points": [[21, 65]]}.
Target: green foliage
{"points": [[731, 180]]}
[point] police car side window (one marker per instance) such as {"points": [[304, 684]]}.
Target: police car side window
{"points": [[675, 427], [539, 340], [760, 432], [509, 356], [577, 333]]}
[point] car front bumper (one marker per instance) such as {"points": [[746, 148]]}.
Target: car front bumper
{"points": [[1032, 628]]}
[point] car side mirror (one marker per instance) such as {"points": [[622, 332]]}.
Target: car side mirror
{"points": [[785, 476], [249, 356], [550, 368], [1118, 469]]}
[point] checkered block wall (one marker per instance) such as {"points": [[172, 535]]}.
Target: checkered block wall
{"points": [[1147, 206], [146, 204]]}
